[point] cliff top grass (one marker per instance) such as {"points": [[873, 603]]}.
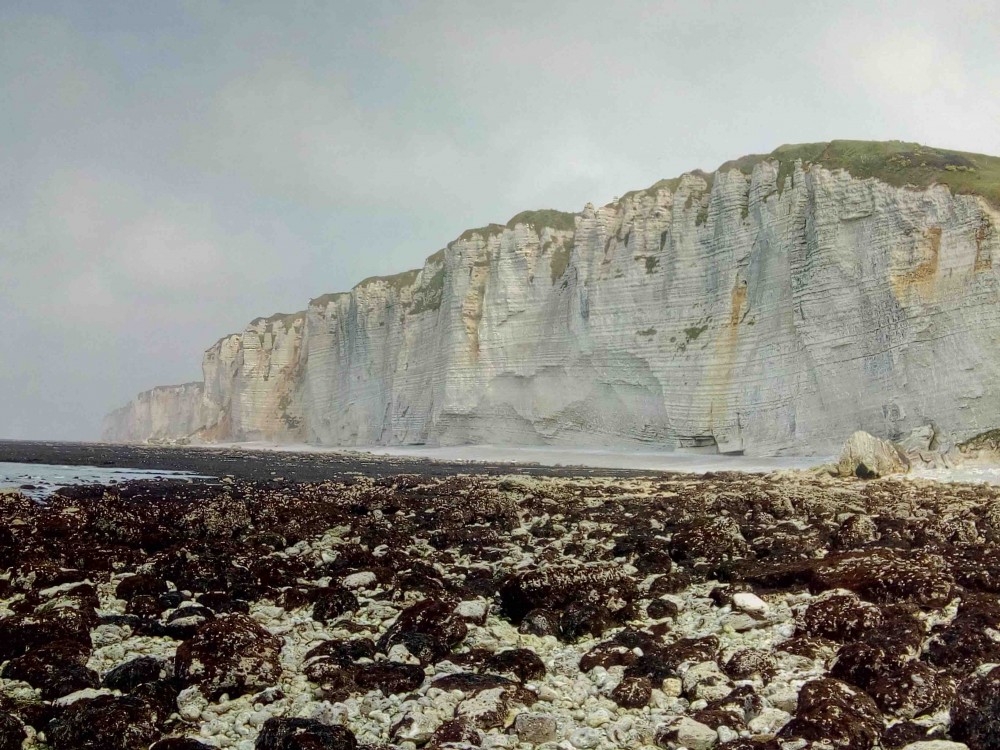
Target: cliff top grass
{"points": [[546, 217], [490, 230], [896, 163], [396, 281], [670, 184], [325, 299]]}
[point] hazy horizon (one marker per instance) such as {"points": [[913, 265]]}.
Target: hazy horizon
{"points": [[172, 172]]}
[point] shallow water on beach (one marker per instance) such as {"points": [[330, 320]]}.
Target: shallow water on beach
{"points": [[40, 480]]}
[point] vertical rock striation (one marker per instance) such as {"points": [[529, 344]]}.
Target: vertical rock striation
{"points": [[167, 412], [772, 307]]}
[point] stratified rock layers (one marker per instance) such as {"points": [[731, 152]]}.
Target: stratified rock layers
{"points": [[740, 311], [162, 413]]}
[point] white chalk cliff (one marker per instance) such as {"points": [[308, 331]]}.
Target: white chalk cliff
{"points": [[773, 307]]}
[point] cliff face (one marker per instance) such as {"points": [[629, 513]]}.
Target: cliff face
{"points": [[773, 307], [167, 412], [251, 382]]}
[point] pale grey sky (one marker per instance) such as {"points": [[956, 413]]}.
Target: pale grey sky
{"points": [[171, 170]]}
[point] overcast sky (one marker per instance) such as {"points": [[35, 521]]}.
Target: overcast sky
{"points": [[171, 170]]}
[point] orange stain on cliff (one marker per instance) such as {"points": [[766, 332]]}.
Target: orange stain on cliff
{"points": [[727, 345], [922, 277], [984, 258]]}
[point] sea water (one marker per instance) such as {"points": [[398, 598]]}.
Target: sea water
{"points": [[40, 480]]}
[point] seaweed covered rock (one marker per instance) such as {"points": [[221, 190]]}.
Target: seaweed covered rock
{"points": [[580, 619], [856, 531], [659, 609], [336, 682], [391, 678], [966, 642], [748, 663], [231, 655], [140, 584], [56, 669], [523, 663], [12, 733], [713, 539], [106, 723], [184, 621], [180, 743], [455, 733], [592, 589], [632, 692], [840, 618], [433, 619], [332, 602], [659, 662], [912, 689], [139, 671], [606, 655], [886, 576], [540, 621], [303, 734], [21, 632], [835, 714], [880, 650], [472, 683], [975, 714], [343, 652]]}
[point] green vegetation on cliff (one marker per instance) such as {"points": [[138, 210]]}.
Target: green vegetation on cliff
{"points": [[896, 163], [560, 259], [325, 299], [428, 296], [547, 217], [490, 230], [670, 184], [396, 281]]}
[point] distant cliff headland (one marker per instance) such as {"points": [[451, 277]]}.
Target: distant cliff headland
{"points": [[774, 306]]}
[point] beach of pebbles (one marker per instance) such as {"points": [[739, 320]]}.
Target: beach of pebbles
{"points": [[732, 611]]}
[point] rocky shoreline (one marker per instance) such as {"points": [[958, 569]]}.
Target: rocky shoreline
{"points": [[261, 465], [724, 610]]}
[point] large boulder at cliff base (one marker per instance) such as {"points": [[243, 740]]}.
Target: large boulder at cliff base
{"points": [[869, 457]]}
